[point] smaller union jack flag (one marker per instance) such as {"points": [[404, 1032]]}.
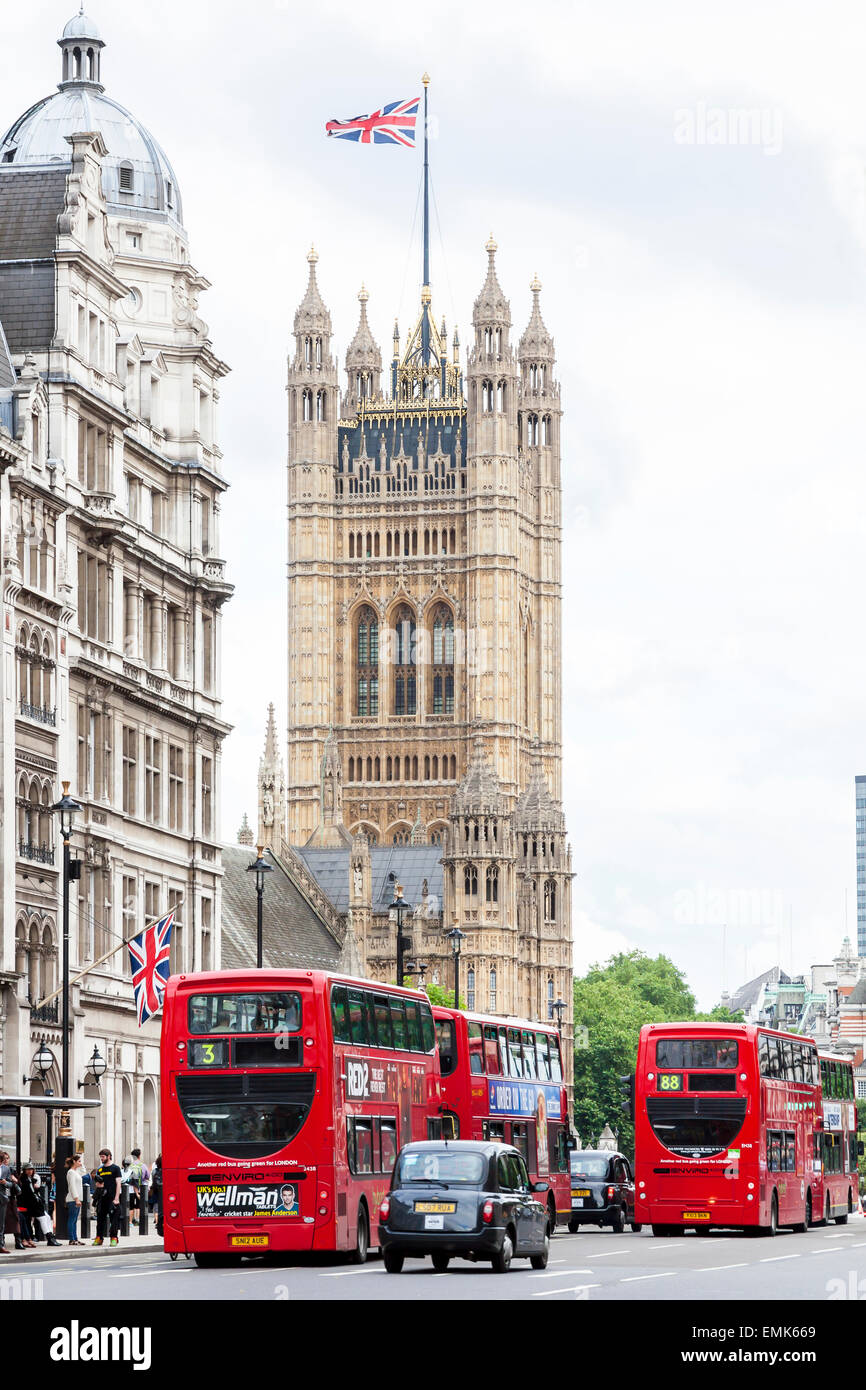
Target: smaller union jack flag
{"points": [[148, 955], [393, 124]]}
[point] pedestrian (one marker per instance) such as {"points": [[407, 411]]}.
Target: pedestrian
{"points": [[12, 1226], [31, 1208], [5, 1193], [74, 1197], [139, 1174], [155, 1197], [107, 1178]]}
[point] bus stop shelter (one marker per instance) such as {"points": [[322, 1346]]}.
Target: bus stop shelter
{"points": [[10, 1118]]}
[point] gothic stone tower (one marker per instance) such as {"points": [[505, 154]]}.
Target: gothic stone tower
{"points": [[424, 591]]}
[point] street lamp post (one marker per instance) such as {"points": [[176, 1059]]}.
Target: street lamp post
{"points": [[559, 1009], [65, 808], [396, 913], [259, 867], [456, 937]]}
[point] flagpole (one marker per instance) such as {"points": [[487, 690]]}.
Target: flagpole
{"points": [[111, 952], [425, 293]]}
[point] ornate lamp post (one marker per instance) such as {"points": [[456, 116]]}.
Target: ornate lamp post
{"points": [[95, 1069], [456, 937], [559, 1009], [396, 913], [259, 867], [65, 809]]}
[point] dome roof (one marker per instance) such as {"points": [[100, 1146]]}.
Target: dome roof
{"points": [[81, 26], [136, 175]]}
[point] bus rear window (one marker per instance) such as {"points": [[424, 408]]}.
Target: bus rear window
{"points": [[687, 1053], [274, 1012]]}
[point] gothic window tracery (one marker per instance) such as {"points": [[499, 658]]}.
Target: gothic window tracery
{"points": [[470, 881], [491, 887], [405, 694], [367, 662], [442, 670], [492, 991], [549, 900]]}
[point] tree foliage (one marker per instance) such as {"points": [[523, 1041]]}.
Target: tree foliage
{"points": [[613, 1002]]}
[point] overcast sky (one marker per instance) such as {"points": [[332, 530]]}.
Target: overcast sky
{"points": [[688, 182]]}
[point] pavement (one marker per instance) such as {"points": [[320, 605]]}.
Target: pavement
{"points": [[126, 1245]]}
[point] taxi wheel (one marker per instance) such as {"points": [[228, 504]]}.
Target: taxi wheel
{"points": [[393, 1262], [540, 1261], [441, 1262], [573, 1226], [617, 1225], [502, 1259]]}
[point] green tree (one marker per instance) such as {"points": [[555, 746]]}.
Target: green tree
{"points": [[656, 980]]}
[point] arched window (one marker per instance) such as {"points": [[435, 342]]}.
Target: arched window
{"points": [[492, 992], [442, 667], [550, 999], [546, 429], [549, 900], [308, 352], [405, 697], [367, 662], [470, 881], [308, 404], [470, 988], [532, 429], [500, 396], [319, 355], [486, 397], [320, 402], [491, 887]]}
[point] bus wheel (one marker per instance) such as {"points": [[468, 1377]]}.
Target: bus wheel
{"points": [[826, 1221], [362, 1239], [774, 1219], [801, 1227], [636, 1227], [666, 1230], [551, 1212], [843, 1219]]}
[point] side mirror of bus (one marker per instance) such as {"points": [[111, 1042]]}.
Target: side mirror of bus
{"points": [[541, 1186]]}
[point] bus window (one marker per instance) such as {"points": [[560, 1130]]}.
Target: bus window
{"points": [[428, 1027], [790, 1153], [358, 1015], [360, 1137], [491, 1050], [413, 1023], [520, 1139], [503, 1053], [797, 1050], [382, 1014], [494, 1130], [398, 1021], [787, 1072], [476, 1060], [774, 1151], [555, 1059], [558, 1146], [447, 1048], [389, 1145], [529, 1054], [339, 1014], [515, 1053], [542, 1057]]}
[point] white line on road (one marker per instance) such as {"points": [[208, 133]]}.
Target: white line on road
{"points": [[668, 1274], [856, 1243], [574, 1288], [145, 1273], [560, 1273], [711, 1269], [602, 1255], [344, 1273], [774, 1259]]}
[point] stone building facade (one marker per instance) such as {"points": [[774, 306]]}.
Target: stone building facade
{"points": [[424, 638], [112, 586]]}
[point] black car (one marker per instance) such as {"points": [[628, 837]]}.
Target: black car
{"points": [[602, 1190], [456, 1197]]}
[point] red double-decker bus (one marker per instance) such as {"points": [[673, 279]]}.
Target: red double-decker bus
{"points": [[502, 1079], [286, 1096], [836, 1145], [725, 1120]]}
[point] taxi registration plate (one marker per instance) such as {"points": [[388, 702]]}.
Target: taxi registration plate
{"points": [[436, 1206], [696, 1215], [580, 1192], [248, 1240]]}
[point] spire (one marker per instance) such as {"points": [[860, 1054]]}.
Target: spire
{"points": [[271, 754], [245, 834], [535, 340], [363, 351], [272, 788], [330, 833], [312, 315], [491, 307], [81, 45], [480, 788], [536, 807]]}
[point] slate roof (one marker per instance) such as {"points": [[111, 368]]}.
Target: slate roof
{"points": [[30, 203], [292, 932], [857, 995], [408, 865], [746, 997]]}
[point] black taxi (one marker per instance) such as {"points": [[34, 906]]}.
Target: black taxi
{"points": [[602, 1190], [461, 1198]]}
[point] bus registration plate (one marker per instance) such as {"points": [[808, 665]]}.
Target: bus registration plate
{"points": [[436, 1206], [249, 1240], [696, 1215]]}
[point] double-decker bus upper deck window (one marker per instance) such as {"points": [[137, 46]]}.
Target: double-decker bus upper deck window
{"points": [[340, 1014], [271, 1012], [555, 1059], [491, 1050], [528, 1054], [382, 1014], [447, 1045], [515, 1053], [542, 1057], [476, 1044], [398, 1022], [428, 1027], [503, 1053], [413, 1025], [678, 1054], [358, 1016]]}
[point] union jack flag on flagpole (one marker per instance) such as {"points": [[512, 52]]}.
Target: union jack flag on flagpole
{"points": [[148, 955], [393, 124]]}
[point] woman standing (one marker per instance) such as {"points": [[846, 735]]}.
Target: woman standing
{"points": [[29, 1205], [155, 1197], [74, 1197]]}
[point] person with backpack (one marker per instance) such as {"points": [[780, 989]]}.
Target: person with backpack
{"points": [[139, 1174]]}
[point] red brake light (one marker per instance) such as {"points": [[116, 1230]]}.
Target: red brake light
{"points": [[487, 1213], [611, 1192], [384, 1209]]}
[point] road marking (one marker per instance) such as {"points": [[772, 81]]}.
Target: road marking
{"points": [[856, 1243], [144, 1273], [574, 1288], [834, 1237], [560, 1273], [821, 1250], [710, 1269], [344, 1273], [602, 1255], [668, 1274], [774, 1259]]}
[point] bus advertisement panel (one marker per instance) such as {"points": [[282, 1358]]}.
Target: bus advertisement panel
{"points": [[286, 1096]]}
